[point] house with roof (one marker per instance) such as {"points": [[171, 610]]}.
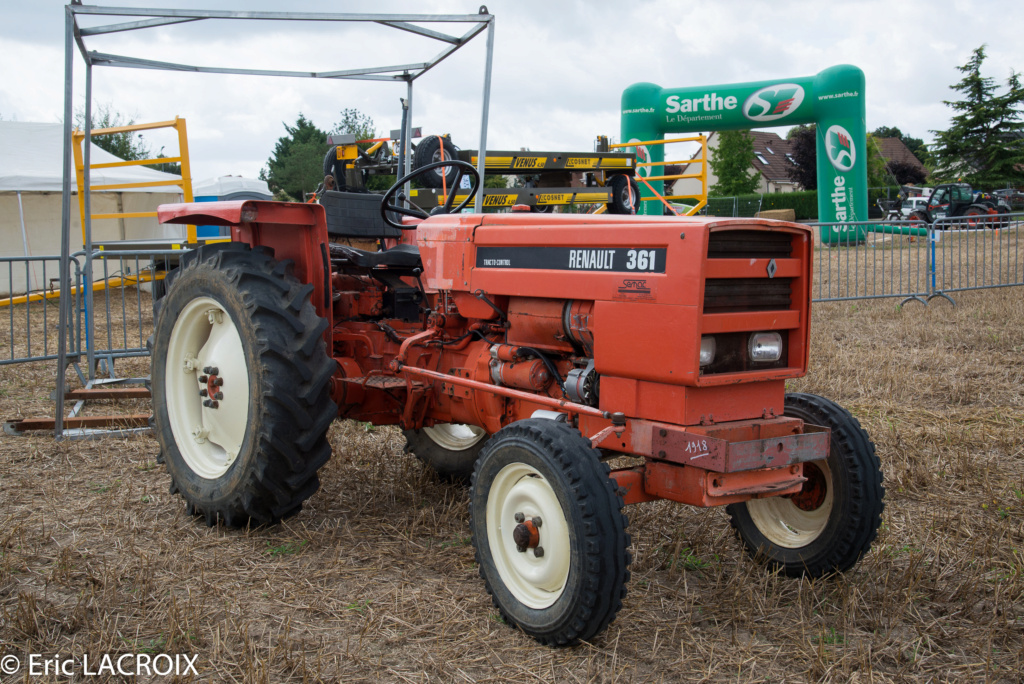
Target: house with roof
{"points": [[773, 159]]}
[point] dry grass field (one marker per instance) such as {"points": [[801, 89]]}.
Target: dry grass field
{"points": [[375, 579]]}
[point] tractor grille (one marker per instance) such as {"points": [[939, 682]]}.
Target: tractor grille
{"points": [[755, 292], [749, 244], [726, 295]]}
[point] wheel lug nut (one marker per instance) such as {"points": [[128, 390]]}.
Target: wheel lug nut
{"points": [[519, 517], [218, 395], [537, 521], [203, 378], [538, 552], [521, 549], [207, 403], [218, 382], [207, 369], [213, 370], [203, 393]]}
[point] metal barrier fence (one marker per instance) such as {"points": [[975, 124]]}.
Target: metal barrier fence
{"points": [[871, 260], [867, 260], [31, 309], [117, 324], [973, 253], [916, 261], [123, 315]]}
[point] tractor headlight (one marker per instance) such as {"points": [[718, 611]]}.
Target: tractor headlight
{"points": [[765, 347], [707, 350]]}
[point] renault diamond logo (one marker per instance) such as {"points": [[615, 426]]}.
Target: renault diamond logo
{"points": [[772, 268]]}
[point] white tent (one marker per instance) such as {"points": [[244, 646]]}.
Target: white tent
{"points": [[30, 201]]}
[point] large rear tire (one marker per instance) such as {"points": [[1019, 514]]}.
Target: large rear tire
{"points": [[976, 216], [830, 524], [565, 579], [240, 379], [450, 449]]}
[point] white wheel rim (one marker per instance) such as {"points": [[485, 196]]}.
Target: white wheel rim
{"points": [[784, 524], [535, 582], [208, 438], [455, 436]]}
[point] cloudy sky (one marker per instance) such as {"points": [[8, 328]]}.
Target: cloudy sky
{"points": [[559, 65]]}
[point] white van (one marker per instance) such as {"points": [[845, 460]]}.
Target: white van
{"points": [[912, 204]]}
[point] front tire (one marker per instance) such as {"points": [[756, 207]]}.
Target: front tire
{"points": [[240, 385], [450, 449], [917, 217], [829, 525], [567, 582]]}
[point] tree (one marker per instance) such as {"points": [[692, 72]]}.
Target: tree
{"points": [[362, 127], [296, 166], [877, 173], [915, 145], [731, 161], [805, 160], [128, 145], [906, 173], [166, 167], [358, 124], [985, 140]]}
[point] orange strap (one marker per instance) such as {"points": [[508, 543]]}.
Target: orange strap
{"points": [[670, 208], [444, 174]]}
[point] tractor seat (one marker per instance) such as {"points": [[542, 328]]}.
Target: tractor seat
{"points": [[399, 256]]}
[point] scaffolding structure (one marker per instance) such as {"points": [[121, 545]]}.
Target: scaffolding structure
{"points": [[146, 18]]}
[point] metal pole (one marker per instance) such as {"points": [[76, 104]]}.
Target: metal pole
{"points": [[408, 141], [90, 313], [931, 241], [402, 138], [65, 225], [482, 153], [24, 242]]}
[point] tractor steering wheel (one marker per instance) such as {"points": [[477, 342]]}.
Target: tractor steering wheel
{"points": [[461, 168]]}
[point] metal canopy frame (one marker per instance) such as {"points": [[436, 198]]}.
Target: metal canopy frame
{"points": [[150, 18]]}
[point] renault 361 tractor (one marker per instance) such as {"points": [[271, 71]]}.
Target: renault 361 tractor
{"points": [[522, 351]]}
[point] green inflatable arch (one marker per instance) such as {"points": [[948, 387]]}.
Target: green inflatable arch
{"points": [[833, 99]]}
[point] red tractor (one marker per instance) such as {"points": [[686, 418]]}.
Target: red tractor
{"points": [[523, 351]]}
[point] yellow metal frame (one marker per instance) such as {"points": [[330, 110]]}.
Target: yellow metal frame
{"points": [[702, 198], [186, 171]]}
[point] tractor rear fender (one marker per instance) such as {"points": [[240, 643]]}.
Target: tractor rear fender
{"points": [[294, 231]]}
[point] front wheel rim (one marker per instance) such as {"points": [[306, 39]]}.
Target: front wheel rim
{"points": [[785, 524], [455, 436], [536, 581], [208, 430]]}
